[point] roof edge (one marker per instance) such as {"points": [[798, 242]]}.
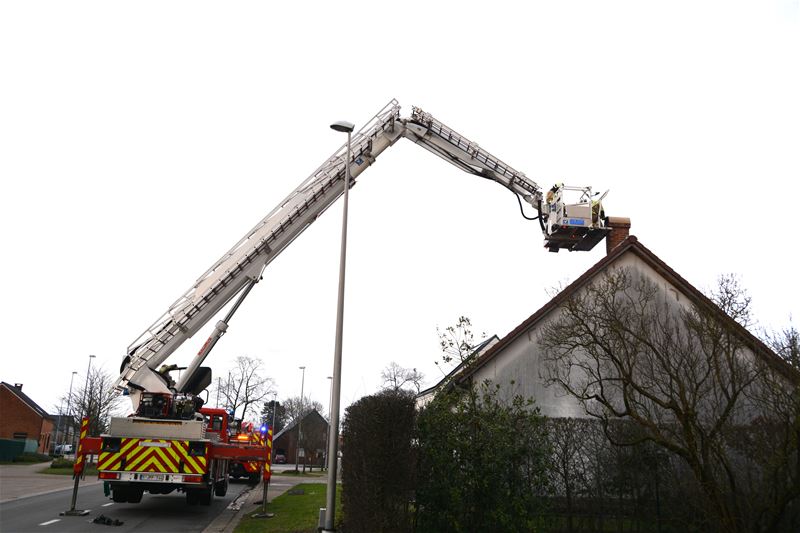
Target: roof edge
{"points": [[632, 244]]}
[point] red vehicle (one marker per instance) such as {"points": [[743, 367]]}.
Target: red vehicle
{"points": [[169, 446], [252, 470]]}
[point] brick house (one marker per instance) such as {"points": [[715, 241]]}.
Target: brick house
{"points": [[314, 439], [22, 419]]}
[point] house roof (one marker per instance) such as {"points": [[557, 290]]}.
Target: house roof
{"points": [[309, 412], [632, 245], [16, 391]]}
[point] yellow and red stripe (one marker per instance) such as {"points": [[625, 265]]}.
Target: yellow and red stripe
{"points": [[77, 468], [268, 460], [153, 455]]}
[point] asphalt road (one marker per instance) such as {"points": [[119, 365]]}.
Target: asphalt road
{"points": [[155, 514]]}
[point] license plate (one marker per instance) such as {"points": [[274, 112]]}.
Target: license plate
{"points": [[151, 477]]}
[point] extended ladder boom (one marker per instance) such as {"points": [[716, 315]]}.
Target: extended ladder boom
{"points": [[243, 264]]}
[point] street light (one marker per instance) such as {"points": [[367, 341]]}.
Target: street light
{"points": [[300, 425], [86, 388], [328, 437], [274, 410], [333, 441], [61, 413]]}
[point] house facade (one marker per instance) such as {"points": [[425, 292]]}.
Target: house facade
{"points": [[515, 362], [311, 441], [22, 419]]}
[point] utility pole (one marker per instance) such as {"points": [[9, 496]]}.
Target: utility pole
{"points": [[333, 442], [328, 436], [300, 425], [69, 407]]}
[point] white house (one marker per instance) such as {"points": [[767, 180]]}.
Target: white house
{"points": [[515, 363]]}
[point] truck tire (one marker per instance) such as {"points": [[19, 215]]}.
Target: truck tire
{"points": [[119, 495], [206, 496], [192, 497], [221, 487], [135, 495], [252, 479]]}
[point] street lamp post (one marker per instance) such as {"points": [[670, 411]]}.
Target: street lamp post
{"points": [[86, 388], [69, 401], [333, 441], [87, 392], [300, 425], [328, 437], [274, 410], [72, 511]]}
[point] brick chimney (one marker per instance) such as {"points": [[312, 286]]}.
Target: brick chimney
{"points": [[620, 229]]}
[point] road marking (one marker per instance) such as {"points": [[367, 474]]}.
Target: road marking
{"points": [[50, 522], [107, 504]]}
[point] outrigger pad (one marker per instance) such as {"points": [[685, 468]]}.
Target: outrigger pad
{"points": [[107, 521]]}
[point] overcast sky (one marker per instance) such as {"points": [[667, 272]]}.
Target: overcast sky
{"points": [[140, 140]]}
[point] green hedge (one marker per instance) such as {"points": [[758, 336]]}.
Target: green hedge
{"points": [[60, 462], [378, 463]]}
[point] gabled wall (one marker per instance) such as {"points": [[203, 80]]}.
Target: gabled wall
{"points": [[17, 418]]}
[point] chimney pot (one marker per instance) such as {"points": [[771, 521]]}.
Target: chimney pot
{"points": [[620, 229], [18, 385]]}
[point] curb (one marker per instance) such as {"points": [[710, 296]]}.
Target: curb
{"points": [[228, 519]]}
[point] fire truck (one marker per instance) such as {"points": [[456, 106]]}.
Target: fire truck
{"points": [[172, 442], [247, 433], [170, 446]]}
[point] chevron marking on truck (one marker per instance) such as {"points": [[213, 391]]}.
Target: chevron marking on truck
{"points": [[153, 455]]}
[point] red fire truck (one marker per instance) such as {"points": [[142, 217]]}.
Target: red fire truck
{"points": [[168, 446]]}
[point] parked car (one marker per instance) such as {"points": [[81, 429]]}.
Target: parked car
{"points": [[280, 459], [62, 449]]}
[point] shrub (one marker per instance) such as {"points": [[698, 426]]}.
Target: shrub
{"points": [[60, 462], [378, 463], [482, 463], [30, 457]]}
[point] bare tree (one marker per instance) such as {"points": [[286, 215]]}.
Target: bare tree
{"points": [[96, 399], [457, 342], [396, 378], [244, 387], [785, 343], [687, 377], [293, 407]]}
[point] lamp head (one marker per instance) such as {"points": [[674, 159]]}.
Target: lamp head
{"points": [[343, 126]]}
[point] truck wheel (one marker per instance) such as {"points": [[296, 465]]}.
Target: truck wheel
{"points": [[119, 495], [206, 496], [135, 495], [192, 497], [221, 488], [253, 479]]}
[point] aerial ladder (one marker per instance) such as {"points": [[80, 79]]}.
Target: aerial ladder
{"points": [[576, 226]]}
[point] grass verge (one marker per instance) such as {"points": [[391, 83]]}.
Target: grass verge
{"points": [[299, 473], [293, 513]]}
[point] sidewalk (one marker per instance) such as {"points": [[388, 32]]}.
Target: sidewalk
{"points": [[246, 502], [24, 481]]}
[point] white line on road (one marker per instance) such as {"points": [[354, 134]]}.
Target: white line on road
{"points": [[107, 504], [50, 522]]}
